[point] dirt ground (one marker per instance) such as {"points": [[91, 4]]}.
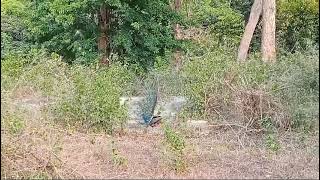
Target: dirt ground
{"points": [[45, 149]]}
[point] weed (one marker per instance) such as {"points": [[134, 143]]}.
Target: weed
{"points": [[117, 159], [286, 92], [176, 145], [267, 124], [40, 175], [94, 98], [272, 143], [14, 123]]}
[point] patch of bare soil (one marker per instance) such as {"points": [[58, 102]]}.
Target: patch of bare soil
{"points": [[46, 149], [214, 156]]}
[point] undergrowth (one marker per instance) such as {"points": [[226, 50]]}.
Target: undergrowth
{"points": [[116, 158], [253, 95], [286, 92], [78, 94], [175, 149]]}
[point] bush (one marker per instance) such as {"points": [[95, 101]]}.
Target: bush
{"points": [[13, 28], [46, 75], [297, 23], [296, 81], [225, 23], [86, 95], [94, 100], [13, 66], [203, 76], [286, 93], [176, 146]]}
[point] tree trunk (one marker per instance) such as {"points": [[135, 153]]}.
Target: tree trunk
{"points": [[177, 29], [255, 13], [104, 39], [268, 46], [178, 36]]}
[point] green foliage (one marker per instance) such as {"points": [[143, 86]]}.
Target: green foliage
{"points": [[145, 32], [272, 143], [79, 94], [13, 7], [298, 23], [95, 97], [12, 66], [213, 83], [13, 28], [11, 119], [140, 32], [176, 147], [174, 139], [225, 23], [242, 6], [204, 75], [117, 159], [296, 81], [13, 123], [65, 27], [45, 75]]}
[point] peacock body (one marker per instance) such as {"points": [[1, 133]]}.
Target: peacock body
{"points": [[148, 106]]}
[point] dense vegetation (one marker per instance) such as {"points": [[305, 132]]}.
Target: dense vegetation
{"points": [[142, 38], [51, 47]]}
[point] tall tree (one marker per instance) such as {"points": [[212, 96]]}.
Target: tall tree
{"points": [[136, 31], [104, 39], [255, 14], [268, 46]]}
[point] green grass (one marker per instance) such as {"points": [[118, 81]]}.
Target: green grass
{"points": [[176, 148]]}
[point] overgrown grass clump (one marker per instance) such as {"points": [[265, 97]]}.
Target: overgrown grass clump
{"points": [[88, 96], [175, 148], [286, 92], [94, 98]]}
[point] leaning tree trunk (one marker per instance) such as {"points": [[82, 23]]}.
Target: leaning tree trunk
{"points": [[268, 46], [178, 36], [255, 13], [104, 39]]}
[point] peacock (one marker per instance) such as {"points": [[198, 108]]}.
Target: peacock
{"points": [[148, 106]]}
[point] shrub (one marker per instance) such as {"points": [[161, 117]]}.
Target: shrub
{"points": [[286, 93], [13, 28], [86, 95], [225, 23], [94, 100], [46, 75], [296, 82], [176, 146], [203, 75], [297, 23], [14, 65]]}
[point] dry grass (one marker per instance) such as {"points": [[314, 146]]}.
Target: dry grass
{"points": [[254, 105], [45, 150], [247, 107]]}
